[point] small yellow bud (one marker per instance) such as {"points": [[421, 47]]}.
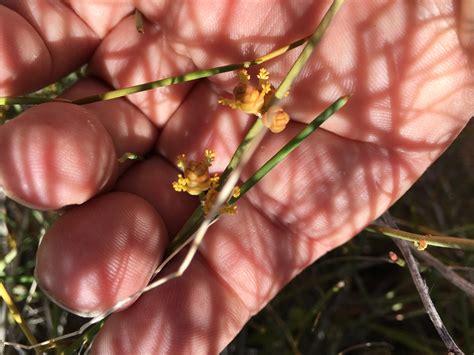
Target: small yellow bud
{"points": [[210, 155], [263, 74], [247, 97], [181, 184], [236, 192], [421, 244], [196, 177], [275, 119], [181, 161]]}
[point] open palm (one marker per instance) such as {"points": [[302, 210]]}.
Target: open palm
{"points": [[412, 92]]}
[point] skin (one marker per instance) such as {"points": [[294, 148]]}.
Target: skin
{"points": [[412, 84]]}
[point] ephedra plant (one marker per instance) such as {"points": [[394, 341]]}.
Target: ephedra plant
{"points": [[219, 194]]}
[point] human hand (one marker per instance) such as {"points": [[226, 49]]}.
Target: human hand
{"points": [[412, 93]]}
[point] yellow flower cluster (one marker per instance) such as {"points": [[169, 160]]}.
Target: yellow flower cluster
{"points": [[196, 177], [196, 180], [251, 100], [247, 97]]}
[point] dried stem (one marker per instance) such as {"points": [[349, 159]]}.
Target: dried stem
{"points": [[446, 272], [423, 291]]}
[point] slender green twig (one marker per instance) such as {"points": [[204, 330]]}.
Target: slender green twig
{"points": [[200, 74], [139, 21], [286, 83], [257, 127], [114, 94], [5, 295], [290, 146], [434, 240], [29, 100]]}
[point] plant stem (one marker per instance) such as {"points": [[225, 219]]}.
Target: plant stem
{"points": [[285, 85], [29, 100], [438, 241], [290, 146], [424, 293], [5, 295], [463, 284], [256, 129], [114, 94]]}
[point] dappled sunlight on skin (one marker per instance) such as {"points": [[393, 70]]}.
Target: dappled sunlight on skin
{"points": [[201, 123], [55, 155], [330, 187], [130, 130], [418, 74], [214, 34], [256, 257], [89, 270], [412, 91], [127, 58], [33, 54], [69, 41], [195, 314], [99, 15], [250, 255], [387, 71], [151, 180]]}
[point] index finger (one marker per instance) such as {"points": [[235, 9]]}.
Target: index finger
{"points": [[41, 41]]}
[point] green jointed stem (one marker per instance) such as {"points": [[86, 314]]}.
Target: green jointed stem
{"points": [[253, 131], [307, 51], [114, 94], [314, 39], [189, 227], [285, 85], [438, 241], [29, 100], [139, 21], [290, 146]]}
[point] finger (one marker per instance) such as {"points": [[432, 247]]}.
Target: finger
{"points": [[131, 131], [54, 155], [466, 25], [41, 41], [239, 31], [100, 253], [100, 16], [58, 154], [113, 254], [151, 180], [254, 260], [194, 314], [126, 57], [402, 62]]}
